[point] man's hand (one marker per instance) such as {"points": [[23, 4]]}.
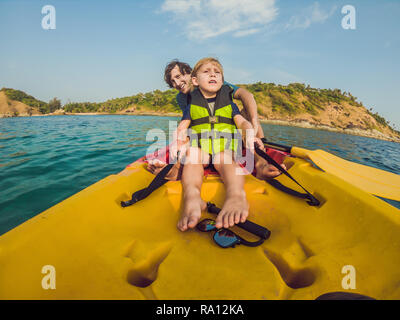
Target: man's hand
{"points": [[180, 140], [259, 143], [179, 146]]}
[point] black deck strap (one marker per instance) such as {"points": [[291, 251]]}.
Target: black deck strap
{"points": [[312, 201], [157, 182], [249, 226], [276, 146], [276, 184]]}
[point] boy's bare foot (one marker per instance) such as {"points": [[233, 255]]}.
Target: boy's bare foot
{"points": [[234, 210], [156, 166], [191, 213]]}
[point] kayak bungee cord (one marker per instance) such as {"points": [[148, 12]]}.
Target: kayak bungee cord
{"points": [[157, 182], [312, 201], [375, 181]]}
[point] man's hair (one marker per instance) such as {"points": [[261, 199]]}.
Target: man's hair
{"points": [[204, 61], [184, 68]]}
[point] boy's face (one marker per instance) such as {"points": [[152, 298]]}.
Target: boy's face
{"points": [[180, 81], [209, 79]]}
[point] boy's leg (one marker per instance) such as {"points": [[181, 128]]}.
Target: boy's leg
{"points": [[236, 207], [192, 179]]}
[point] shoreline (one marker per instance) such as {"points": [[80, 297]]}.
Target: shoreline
{"points": [[375, 134]]}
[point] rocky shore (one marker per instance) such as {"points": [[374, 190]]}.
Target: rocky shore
{"points": [[352, 131]]}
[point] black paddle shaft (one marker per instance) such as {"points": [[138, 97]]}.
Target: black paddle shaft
{"points": [[249, 226]]}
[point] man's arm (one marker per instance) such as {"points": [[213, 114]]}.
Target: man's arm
{"points": [[181, 131], [180, 137], [245, 125], [249, 103]]}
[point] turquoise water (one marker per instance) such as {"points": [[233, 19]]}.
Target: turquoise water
{"points": [[44, 160]]}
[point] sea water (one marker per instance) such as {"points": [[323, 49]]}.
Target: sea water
{"points": [[45, 159]]}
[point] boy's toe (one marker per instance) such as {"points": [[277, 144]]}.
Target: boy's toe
{"points": [[192, 222], [232, 219], [182, 224], [226, 221]]}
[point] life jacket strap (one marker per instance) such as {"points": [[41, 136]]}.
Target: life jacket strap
{"points": [[212, 120]]}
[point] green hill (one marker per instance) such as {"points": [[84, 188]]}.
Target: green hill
{"points": [[17, 95], [155, 101], [296, 99], [295, 104]]}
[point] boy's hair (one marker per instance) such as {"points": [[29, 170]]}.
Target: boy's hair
{"points": [[204, 61], [184, 68]]}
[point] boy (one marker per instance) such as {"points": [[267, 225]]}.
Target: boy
{"points": [[177, 75], [213, 118]]}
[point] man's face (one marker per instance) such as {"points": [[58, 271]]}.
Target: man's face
{"points": [[209, 79], [180, 81]]}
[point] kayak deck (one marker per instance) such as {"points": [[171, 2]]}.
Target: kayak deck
{"points": [[102, 251]]}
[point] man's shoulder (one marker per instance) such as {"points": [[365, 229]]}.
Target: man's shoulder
{"points": [[182, 100], [181, 96], [232, 86]]}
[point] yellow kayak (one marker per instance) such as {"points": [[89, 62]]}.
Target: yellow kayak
{"points": [[89, 247]]}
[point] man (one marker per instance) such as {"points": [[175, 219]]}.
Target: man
{"points": [[177, 75]]}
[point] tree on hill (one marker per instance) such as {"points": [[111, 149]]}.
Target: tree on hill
{"points": [[54, 104], [21, 96]]}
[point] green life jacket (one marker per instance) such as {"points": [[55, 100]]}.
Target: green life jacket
{"points": [[215, 132]]}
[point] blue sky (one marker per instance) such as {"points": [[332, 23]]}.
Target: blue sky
{"points": [[107, 49]]}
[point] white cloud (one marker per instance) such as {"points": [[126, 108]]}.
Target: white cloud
{"points": [[244, 33], [202, 19], [181, 6], [312, 14]]}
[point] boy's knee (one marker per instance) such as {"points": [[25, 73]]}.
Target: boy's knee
{"points": [[193, 155]]}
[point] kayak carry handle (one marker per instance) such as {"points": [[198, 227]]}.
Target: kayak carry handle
{"points": [[249, 226]]}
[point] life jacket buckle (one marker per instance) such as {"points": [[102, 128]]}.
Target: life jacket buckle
{"points": [[213, 119]]}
